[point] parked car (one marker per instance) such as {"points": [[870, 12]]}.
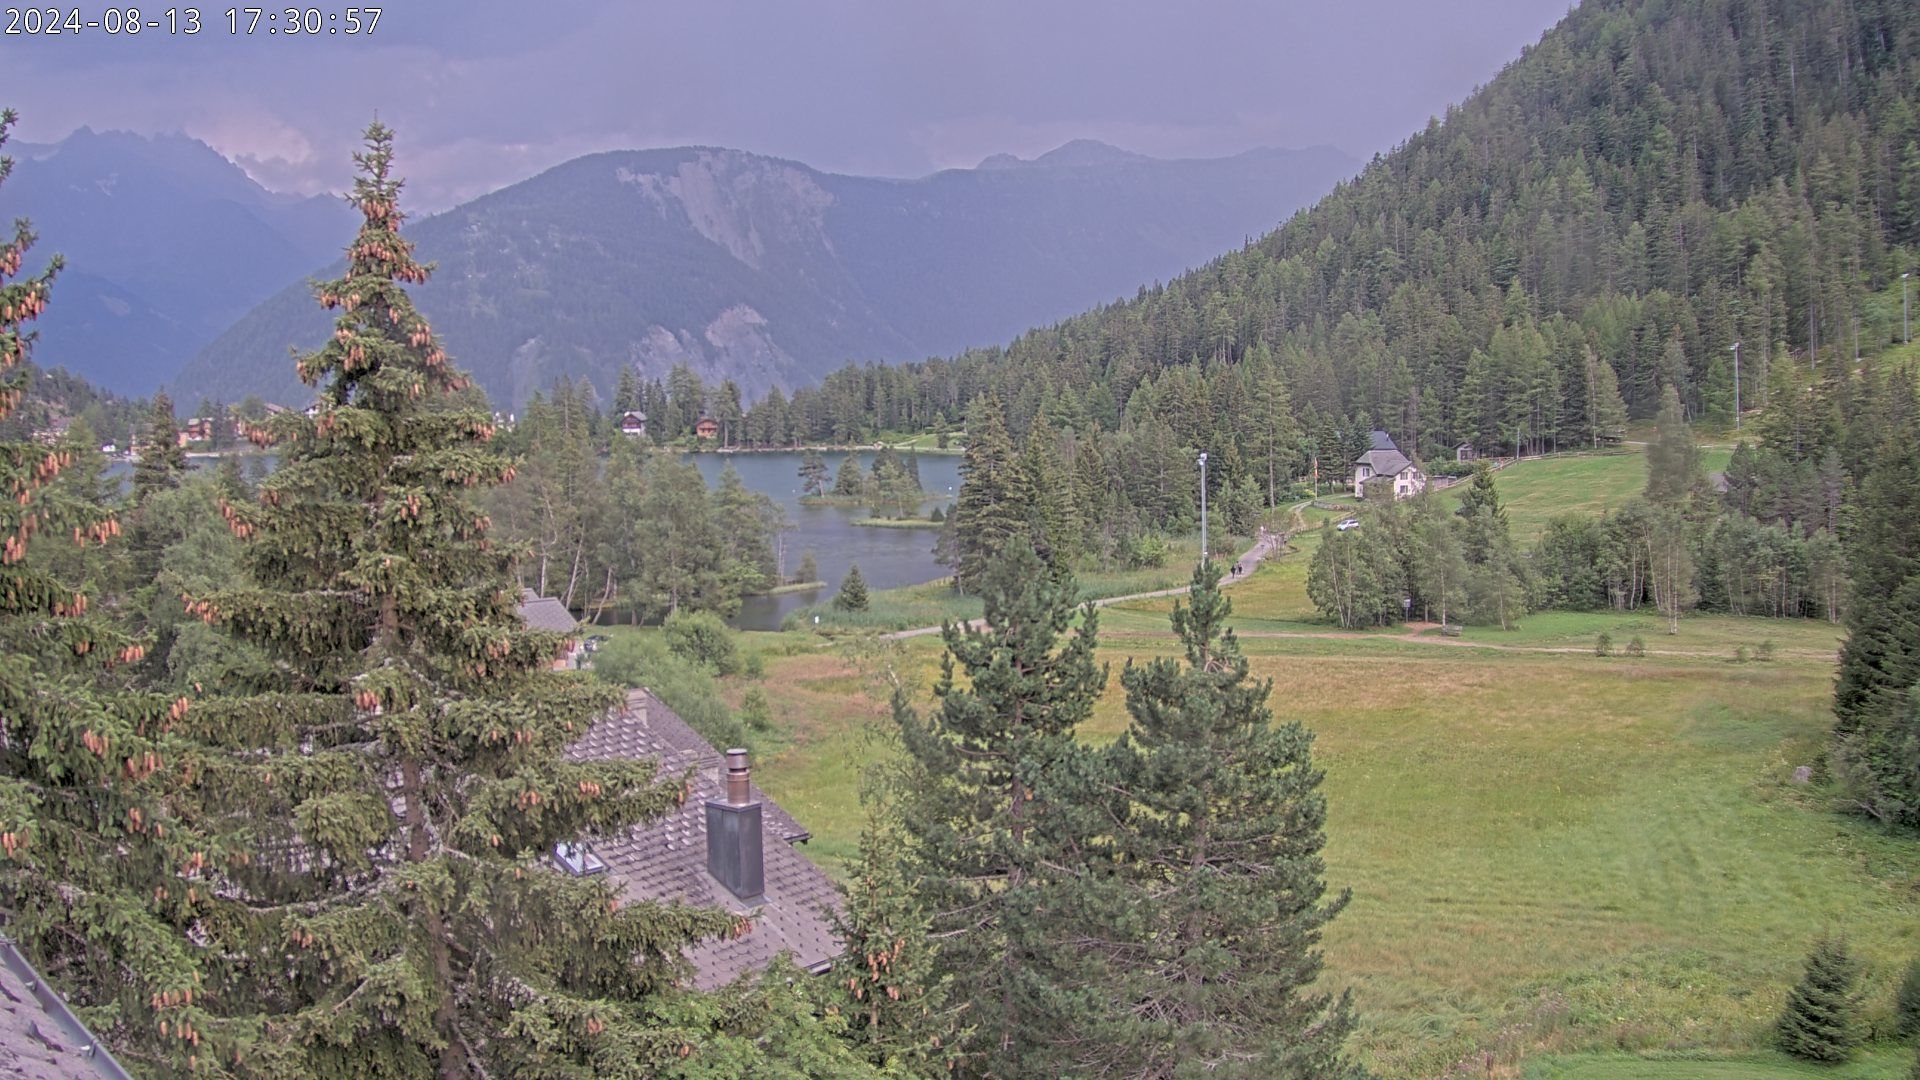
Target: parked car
{"points": [[1350, 523]]}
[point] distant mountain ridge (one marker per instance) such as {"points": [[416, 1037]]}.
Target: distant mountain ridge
{"points": [[166, 243], [771, 273]]}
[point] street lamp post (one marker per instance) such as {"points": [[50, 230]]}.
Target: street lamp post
{"points": [[1736, 386], [1203, 506]]}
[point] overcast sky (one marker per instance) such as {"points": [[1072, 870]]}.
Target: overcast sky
{"points": [[486, 92]]}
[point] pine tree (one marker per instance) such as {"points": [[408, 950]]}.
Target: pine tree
{"points": [[1880, 660], [853, 591], [809, 567], [1821, 1021], [94, 893], [1496, 587], [1673, 461], [163, 461], [1205, 953], [385, 805], [813, 474], [981, 843], [851, 481], [162, 464], [988, 511]]}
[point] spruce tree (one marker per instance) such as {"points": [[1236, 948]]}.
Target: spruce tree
{"points": [[1205, 954], [899, 1006], [162, 464], [983, 847], [163, 461], [1821, 1021], [988, 512], [809, 568], [851, 481], [1881, 656], [853, 591], [1673, 461], [96, 891], [386, 803]]}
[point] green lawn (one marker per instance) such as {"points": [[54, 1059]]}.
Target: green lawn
{"points": [[1549, 852], [1890, 1065]]}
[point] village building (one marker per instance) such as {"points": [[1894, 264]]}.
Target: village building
{"points": [[1384, 464], [197, 429], [707, 428], [633, 424], [1466, 452], [548, 613], [728, 846]]}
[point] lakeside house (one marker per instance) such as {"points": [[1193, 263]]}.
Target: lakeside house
{"points": [[727, 846], [1383, 463], [548, 613], [633, 424], [707, 428]]}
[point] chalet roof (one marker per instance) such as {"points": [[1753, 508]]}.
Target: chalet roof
{"points": [[633, 414], [1380, 440], [1385, 462], [666, 859], [39, 1036], [546, 613]]}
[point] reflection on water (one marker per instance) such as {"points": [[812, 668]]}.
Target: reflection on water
{"points": [[888, 558]]}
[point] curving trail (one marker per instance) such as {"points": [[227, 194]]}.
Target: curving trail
{"points": [[1243, 568]]}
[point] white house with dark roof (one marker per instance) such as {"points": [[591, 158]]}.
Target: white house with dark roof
{"points": [[728, 846], [1384, 462]]}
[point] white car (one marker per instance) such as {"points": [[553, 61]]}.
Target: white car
{"points": [[1350, 523]]}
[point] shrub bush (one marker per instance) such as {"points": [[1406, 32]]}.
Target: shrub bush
{"points": [[701, 637], [689, 689]]}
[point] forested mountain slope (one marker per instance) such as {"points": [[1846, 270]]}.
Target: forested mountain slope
{"points": [[1650, 183], [771, 274]]}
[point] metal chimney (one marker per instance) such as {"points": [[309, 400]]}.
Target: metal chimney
{"points": [[734, 854]]}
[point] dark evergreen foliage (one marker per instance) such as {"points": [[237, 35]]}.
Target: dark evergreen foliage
{"points": [[985, 846], [1200, 935], [1821, 1021]]}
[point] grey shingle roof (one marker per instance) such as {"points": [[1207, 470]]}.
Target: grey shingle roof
{"points": [[546, 613], [1380, 440], [1385, 462], [39, 1037], [667, 859]]}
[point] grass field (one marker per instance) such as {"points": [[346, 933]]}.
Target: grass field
{"points": [[1887, 1065], [1536, 490], [1559, 862]]}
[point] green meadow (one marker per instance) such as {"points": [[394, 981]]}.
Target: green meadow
{"points": [[1563, 866]]}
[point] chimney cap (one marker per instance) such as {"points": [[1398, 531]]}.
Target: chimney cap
{"points": [[739, 792]]}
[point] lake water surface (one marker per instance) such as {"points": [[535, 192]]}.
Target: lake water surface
{"points": [[888, 558]]}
